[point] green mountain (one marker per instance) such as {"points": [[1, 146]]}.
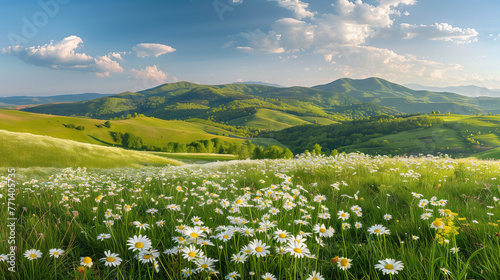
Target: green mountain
{"points": [[13, 101], [410, 101], [264, 107], [219, 103]]}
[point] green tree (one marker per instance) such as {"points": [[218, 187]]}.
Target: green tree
{"points": [[316, 149], [287, 153]]}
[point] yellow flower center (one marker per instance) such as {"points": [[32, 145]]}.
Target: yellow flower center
{"points": [[315, 278], [181, 227], [226, 236], [139, 245], [194, 235], [344, 262], [247, 232], [447, 212], [192, 254], [56, 253], [146, 257], [259, 249], [181, 238], [343, 215], [196, 220], [282, 235], [297, 250], [389, 266], [322, 230], [377, 230], [267, 278], [110, 259], [204, 266], [87, 260], [239, 201], [33, 256]]}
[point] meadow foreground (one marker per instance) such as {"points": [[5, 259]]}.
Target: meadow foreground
{"points": [[351, 216]]}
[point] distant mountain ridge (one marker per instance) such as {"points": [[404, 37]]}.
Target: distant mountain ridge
{"points": [[259, 83], [36, 100], [470, 91], [243, 104]]}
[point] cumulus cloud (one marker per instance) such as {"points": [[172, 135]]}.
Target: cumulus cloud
{"points": [[150, 74], [342, 38], [299, 8], [439, 31], [352, 24], [63, 55], [294, 34], [372, 61], [147, 49], [260, 42]]}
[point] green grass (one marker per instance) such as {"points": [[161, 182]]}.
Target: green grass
{"points": [[29, 150], [66, 209], [199, 158], [153, 131], [490, 154], [446, 138], [276, 120]]}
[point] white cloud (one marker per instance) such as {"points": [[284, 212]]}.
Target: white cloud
{"points": [[342, 38], [396, 3], [299, 8], [294, 34], [150, 73], [372, 61], [494, 37], [439, 31], [116, 55], [353, 24], [63, 55], [104, 65], [146, 49], [260, 42]]}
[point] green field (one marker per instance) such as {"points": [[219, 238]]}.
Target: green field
{"points": [[198, 158], [336, 216], [29, 150], [153, 131], [276, 120], [449, 137]]}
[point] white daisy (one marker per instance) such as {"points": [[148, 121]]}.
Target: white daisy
{"points": [[33, 254], [56, 253], [389, 266], [111, 259], [138, 243], [259, 248]]}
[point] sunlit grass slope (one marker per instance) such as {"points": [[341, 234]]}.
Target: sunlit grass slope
{"points": [[27, 150], [153, 131]]}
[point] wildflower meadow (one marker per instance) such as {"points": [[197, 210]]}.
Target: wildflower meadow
{"points": [[349, 216]]}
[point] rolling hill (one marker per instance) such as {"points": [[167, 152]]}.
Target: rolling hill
{"points": [[343, 99], [29, 150], [153, 131], [15, 101], [457, 135], [410, 101]]}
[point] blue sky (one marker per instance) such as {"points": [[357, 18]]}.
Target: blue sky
{"points": [[52, 47]]}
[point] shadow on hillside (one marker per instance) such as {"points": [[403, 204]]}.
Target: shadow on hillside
{"points": [[104, 142]]}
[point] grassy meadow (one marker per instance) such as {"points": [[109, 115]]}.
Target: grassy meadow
{"points": [[29, 150], [351, 216], [153, 131]]}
